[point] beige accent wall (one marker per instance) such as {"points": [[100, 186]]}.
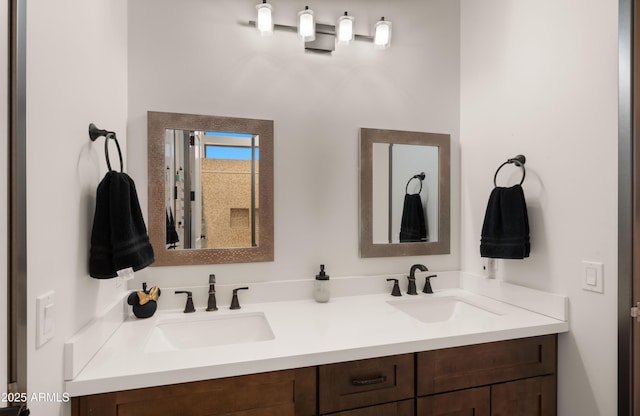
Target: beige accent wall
{"points": [[227, 202]]}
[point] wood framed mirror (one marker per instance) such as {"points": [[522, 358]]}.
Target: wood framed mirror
{"points": [[210, 189], [404, 193]]}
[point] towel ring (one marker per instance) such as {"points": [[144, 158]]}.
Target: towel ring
{"points": [[95, 133], [420, 176], [518, 161], [106, 151]]}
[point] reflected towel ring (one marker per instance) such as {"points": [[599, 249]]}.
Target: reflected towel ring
{"points": [[95, 133], [518, 161], [420, 176]]}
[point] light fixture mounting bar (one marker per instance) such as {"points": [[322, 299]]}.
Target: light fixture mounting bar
{"points": [[320, 28]]}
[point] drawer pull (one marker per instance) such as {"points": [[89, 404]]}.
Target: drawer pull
{"points": [[368, 381]]}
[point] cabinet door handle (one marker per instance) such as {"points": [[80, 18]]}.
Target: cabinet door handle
{"points": [[368, 381]]}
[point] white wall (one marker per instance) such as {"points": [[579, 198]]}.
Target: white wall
{"points": [[194, 56], [540, 78], [76, 74]]}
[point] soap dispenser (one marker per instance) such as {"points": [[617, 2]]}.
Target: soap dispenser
{"points": [[321, 290]]}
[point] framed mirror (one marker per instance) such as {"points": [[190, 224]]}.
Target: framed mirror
{"points": [[404, 193], [210, 189]]}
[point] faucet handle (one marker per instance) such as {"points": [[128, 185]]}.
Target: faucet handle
{"points": [[396, 288], [235, 304], [427, 284], [188, 307]]}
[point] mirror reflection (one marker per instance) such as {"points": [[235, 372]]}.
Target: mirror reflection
{"points": [[210, 189], [404, 193], [202, 166]]}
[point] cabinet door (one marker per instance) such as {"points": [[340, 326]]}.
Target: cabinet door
{"points": [[362, 383], [529, 397], [471, 402], [403, 408], [280, 393]]}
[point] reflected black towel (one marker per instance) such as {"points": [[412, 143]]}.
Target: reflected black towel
{"points": [[505, 232], [171, 233], [119, 237], [413, 226]]}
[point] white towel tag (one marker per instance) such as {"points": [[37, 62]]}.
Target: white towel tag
{"points": [[125, 274]]}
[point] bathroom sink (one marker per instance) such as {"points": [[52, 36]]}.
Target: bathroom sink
{"points": [[207, 331], [442, 309]]}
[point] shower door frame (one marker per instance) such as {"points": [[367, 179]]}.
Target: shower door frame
{"points": [[17, 203]]}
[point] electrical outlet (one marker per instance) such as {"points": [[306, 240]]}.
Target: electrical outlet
{"points": [[489, 266]]}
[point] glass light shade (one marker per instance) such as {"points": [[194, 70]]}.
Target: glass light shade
{"points": [[382, 37], [345, 29], [264, 23], [306, 25]]}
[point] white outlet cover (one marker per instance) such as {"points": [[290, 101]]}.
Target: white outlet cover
{"points": [[593, 276]]}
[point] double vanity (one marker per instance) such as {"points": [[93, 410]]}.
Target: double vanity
{"points": [[474, 344]]}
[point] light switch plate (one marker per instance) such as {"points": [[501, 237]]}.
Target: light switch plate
{"points": [[45, 318], [593, 276]]}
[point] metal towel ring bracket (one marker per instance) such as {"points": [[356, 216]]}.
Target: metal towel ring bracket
{"points": [[95, 133], [420, 176], [518, 161]]}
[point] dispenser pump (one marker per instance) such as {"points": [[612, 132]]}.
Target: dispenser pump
{"points": [[322, 275]]}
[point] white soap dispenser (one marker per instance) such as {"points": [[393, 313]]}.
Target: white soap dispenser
{"points": [[321, 292]]}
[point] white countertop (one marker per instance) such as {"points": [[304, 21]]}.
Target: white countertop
{"points": [[306, 333]]}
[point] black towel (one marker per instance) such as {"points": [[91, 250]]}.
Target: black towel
{"points": [[505, 232], [119, 237], [171, 233], [413, 226]]}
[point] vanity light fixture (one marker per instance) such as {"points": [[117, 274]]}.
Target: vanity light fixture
{"points": [[382, 37], [344, 29], [306, 25], [264, 23], [320, 37]]}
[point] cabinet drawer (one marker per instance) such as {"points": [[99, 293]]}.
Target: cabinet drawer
{"points": [[403, 408], [464, 402], [477, 365], [363, 383]]}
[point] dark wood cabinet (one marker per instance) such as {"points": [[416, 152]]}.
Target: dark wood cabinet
{"points": [[505, 378]]}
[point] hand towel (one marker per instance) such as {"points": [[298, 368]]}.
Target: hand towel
{"points": [[119, 237], [171, 233], [413, 227], [505, 232]]}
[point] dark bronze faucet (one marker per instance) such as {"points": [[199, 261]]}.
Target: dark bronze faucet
{"points": [[412, 278]]}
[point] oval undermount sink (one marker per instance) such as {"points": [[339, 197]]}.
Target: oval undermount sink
{"points": [[207, 331], [441, 309]]}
